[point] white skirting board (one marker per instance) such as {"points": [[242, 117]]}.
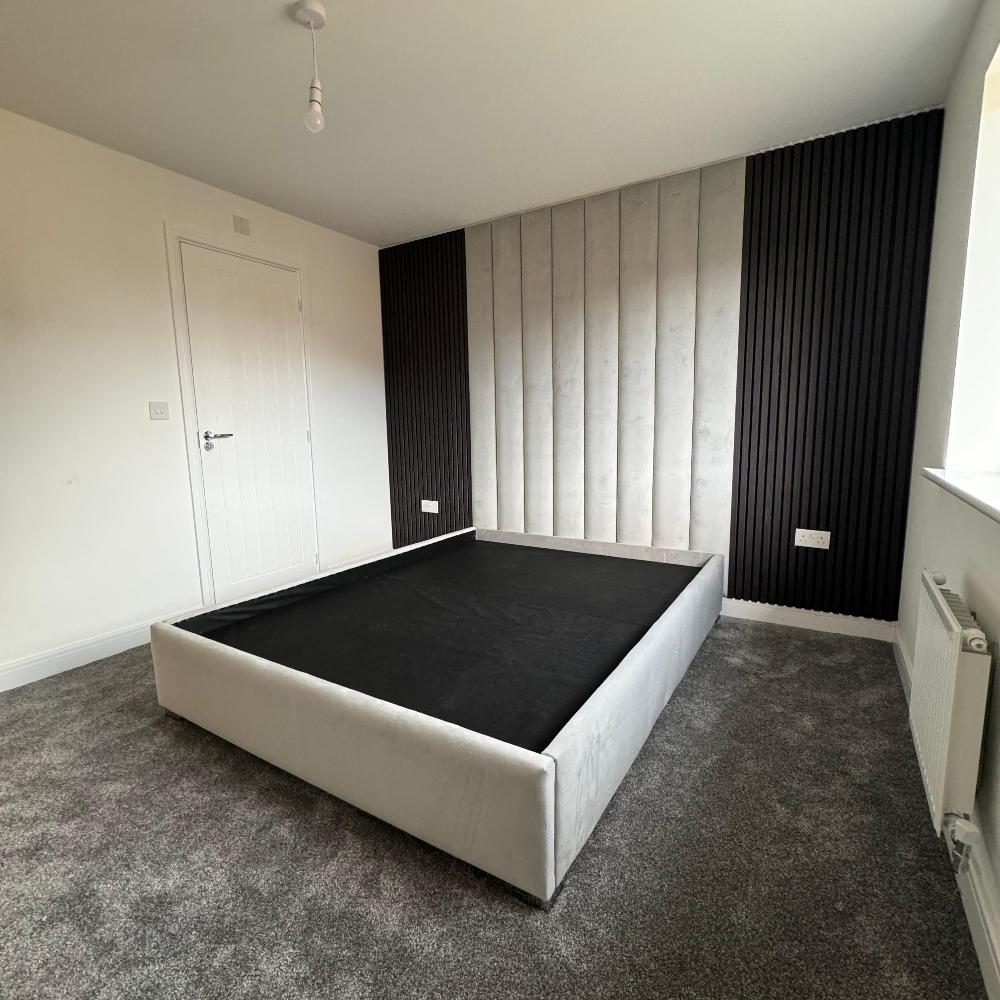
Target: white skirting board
{"points": [[818, 621], [981, 900], [17, 673], [28, 669], [903, 664]]}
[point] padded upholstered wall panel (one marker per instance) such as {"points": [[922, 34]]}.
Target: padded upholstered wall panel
{"points": [[837, 239], [426, 352], [536, 340], [600, 366], [509, 373], [720, 242], [676, 301], [634, 401], [482, 379], [567, 369], [637, 361]]}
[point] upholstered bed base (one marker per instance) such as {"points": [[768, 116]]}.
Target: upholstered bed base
{"points": [[519, 815]]}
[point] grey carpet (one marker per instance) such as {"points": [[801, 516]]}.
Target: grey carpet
{"points": [[772, 840]]}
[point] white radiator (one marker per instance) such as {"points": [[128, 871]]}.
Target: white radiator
{"points": [[949, 689]]}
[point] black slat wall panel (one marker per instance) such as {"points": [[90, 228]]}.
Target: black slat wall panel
{"points": [[425, 344], [836, 242]]}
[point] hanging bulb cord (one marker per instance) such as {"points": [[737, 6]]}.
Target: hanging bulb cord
{"points": [[312, 31]]}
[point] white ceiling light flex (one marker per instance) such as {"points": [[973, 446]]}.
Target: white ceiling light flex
{"points": [[312, 14]]}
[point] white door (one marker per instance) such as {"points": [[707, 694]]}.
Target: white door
{"points": [[248, 358]]}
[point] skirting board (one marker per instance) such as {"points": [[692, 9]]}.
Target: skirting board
{"points": [[818, 621], [903, 664], [17, 673], [981, 900]]}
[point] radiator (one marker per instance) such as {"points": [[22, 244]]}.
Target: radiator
{"points": [[949, 690]]}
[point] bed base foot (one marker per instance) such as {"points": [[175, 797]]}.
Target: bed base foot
{"points": [[173, 715], [545, 905]]}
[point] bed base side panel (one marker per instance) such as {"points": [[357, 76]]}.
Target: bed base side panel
{"points": [[479, 799], [595, 749]]}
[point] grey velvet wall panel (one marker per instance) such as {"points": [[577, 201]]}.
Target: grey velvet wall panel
{"points": [[482, 378], [536, 318], [720, 254], [509, 365], [637, 361], [615, 333], [676, 300], [600, 396], [567, 368]]}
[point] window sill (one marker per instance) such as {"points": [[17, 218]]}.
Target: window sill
{"points": [[978, 489]]}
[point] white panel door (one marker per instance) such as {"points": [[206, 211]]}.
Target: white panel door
{"points": [[248, 359]]}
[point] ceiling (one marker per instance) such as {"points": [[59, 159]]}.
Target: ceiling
{"points": [[445, 112]]}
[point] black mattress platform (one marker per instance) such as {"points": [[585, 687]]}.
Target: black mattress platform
{"points": [[505, 640]]}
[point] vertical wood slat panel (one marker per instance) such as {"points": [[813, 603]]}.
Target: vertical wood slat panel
{"points": [[720, 242], [601, 260], [536, 314], [676, 300], [482, 379], [425, 348], [509, 364], [637, 362], [567, 368], [835, 278]]}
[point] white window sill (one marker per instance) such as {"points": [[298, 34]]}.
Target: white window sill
{"points": [[978, 489]]}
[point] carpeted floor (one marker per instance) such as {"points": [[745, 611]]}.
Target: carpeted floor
{"points": [[772, 840]]}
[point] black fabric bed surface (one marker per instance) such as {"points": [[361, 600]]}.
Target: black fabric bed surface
{"points": [[501, 639]]}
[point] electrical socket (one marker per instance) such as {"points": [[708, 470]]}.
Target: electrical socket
{"points": [[812, 539], [429, 506]]}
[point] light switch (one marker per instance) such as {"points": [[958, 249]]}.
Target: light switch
{"points": [[159, 411], [429, 506]]}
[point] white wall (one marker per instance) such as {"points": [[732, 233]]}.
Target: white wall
{"points": [[96, 523], [943, 533], [603, 338], [978, 362]]}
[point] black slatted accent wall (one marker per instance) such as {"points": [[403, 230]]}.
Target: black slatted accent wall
{"points": [[425, 343], [835, 258]]}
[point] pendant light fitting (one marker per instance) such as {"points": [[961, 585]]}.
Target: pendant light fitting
{"points": [[312, 15]]}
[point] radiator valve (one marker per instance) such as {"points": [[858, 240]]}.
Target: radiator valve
{"points": [[962, 837]]}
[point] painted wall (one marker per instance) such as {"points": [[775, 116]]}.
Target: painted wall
{"points": [[943, 533], [96, 524], [602, 353]]}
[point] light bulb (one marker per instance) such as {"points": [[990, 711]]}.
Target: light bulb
{"points": [[314, 117], [314, 114]]}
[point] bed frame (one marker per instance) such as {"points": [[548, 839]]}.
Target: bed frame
{"points": [[519, 815]]}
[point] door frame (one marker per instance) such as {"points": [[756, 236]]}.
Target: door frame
{"points": [[249, 249]]}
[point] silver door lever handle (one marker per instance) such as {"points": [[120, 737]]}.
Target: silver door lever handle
{"points": [[209, 436]]}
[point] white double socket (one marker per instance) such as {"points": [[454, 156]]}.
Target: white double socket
{"points": [[809, 538]]}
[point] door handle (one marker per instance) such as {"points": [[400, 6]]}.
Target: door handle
{"points": [[209, 437]]}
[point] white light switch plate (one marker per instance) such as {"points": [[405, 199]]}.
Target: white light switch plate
{"points": [[429, 506], [159, 411], [811, 539]]}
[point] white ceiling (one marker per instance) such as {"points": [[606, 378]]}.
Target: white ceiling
{"points": [[445, 112]]}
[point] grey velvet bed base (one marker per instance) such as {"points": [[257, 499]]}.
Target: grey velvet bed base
{"points": [[519, 815]]}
